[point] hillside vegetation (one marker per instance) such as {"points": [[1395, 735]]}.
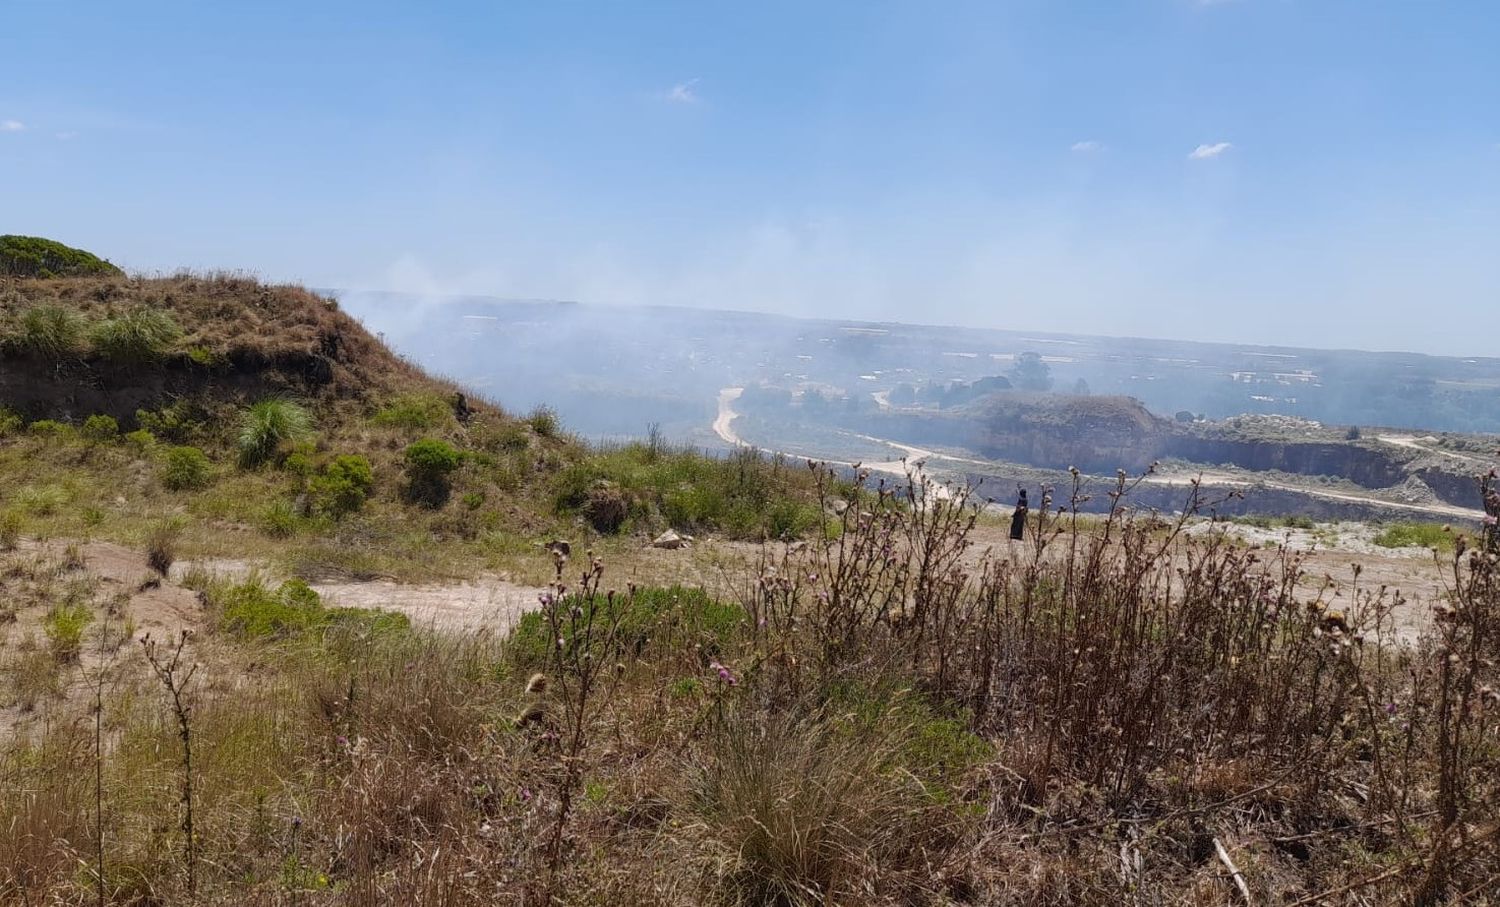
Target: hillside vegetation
{"points": [[872, 708], [33, 256], [271, 424]]}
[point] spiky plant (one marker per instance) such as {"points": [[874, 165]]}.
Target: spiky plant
{"points": [[268, 425]]}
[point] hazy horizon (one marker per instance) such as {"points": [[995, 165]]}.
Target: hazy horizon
{"points": [[1263, 172]]}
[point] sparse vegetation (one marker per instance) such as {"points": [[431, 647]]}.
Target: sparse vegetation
{"points": [[416, 412], [889, 711], [1416, 535]]}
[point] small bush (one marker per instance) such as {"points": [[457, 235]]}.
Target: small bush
{"points": [[343, 485], [10, 422], [161, 545], [142, 440], [185, 468], [64, 627], [268, 425], [429, 464], [178, 423], [606, 508], [51, 331], [101, 429], [1415, 535], [415, 412], [665, 617], [543, 421], [50, 428], [279, 519], [136, 338], [11, 523]]}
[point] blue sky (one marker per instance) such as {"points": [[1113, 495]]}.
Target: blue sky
{"points": [[1311, 172]]}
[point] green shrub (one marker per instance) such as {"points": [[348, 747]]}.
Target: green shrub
{"points": [[661, 617], [141, 439], [185, 468], [34, 256], [251, 610], [415, 412], [1415, 535], [269, 424], [343, 485], [279, 519], [51, 331], [543, 421], [10, 422], [64, 627], [429, 464], [178, 423], [138, 337], [50, 428], [101, 429]]}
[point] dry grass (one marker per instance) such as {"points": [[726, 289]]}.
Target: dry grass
{"points": [[884, 722]]}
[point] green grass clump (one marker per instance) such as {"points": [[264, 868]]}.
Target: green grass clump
{"points": [[252, 610], [185, 468], [42, 500], [1415, 535], [64, 626], [415, 412], [268, 425], [138, 337], [663, 617], [51, 331], [543, 421], [279, 519], [34, 256]]}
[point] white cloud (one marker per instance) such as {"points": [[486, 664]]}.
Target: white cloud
{"points": [[12, 126], [1087, 147], [1203, 152], [683, 93]]}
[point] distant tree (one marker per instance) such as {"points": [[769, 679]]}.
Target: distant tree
{"points": [[903, 395], [1081, 388], [1353, 434], [1031, 373], [1184, 415]]}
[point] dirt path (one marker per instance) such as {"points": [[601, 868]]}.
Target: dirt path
{"points": [[1412, 442], [1234, 481], [724, 421], [485, 602]]}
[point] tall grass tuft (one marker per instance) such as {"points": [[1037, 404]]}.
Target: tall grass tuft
{"points": [[269, 425], [138, 337], [52, 332]]}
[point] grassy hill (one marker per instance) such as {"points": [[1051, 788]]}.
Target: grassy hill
{"points": [[241, 409], [900, 707]]}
